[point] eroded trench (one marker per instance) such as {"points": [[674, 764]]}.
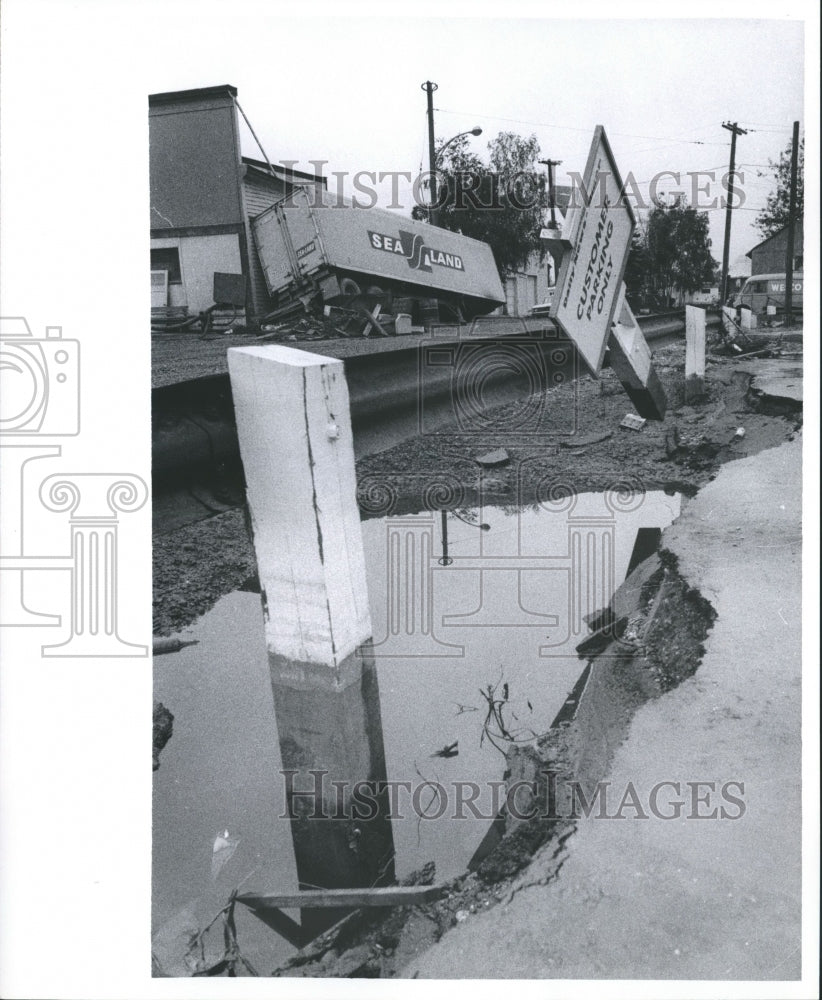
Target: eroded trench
{"points": [[524, 667], [649, 640], [554, 655]]}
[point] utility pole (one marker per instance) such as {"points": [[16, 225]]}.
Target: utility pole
{"points": [[735, 130], [550, 164], [429, 88], [791, 228]]}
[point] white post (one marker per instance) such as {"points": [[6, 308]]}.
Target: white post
{"points": [[694, 352], [296, 444]]}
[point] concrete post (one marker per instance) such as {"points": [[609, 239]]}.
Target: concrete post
{"points": [[296, 444], [631, 361], [694, 352]]}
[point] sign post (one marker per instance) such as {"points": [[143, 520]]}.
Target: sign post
{"points": [[631, 361]]}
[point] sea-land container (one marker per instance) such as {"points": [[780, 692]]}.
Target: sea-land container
{"points": [[310, 245]]}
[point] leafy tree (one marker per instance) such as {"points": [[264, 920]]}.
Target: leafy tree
{"points": [[501, 202], [670, 254], [637, 268], [774, 216]]}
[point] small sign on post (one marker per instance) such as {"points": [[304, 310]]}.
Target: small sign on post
{"points": [[631, 361], [694, 352]]}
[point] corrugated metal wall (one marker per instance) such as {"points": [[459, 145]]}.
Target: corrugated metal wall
{"points": [[259, 194]]}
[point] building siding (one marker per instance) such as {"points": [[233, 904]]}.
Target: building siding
{"points": [[259, 194], [769, 256], [527, 288], [194, 163], [200, 257]]}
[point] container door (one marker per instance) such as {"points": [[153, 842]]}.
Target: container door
{"points": [[298, 214], [287, 242]]}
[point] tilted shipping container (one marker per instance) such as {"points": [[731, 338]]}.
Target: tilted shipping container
{"points": [[306, 239]]}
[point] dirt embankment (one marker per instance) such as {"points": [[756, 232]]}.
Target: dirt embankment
{"points": [[577, 445]]}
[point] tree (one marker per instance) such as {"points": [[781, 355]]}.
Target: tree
{"points": [[670, 254], [502, 202], [774, 216], [637, 268]]}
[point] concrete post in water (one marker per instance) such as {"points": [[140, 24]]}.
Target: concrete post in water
{"points": [[295, 437], [296, 444], [694, 352]]}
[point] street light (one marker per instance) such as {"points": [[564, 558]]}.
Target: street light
{"points": [[433, 212], [445, 559], [476, 130]]}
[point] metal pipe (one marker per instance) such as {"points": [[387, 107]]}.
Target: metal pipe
{"points": [[251, 130]]}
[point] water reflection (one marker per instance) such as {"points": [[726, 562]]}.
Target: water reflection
{"points": [[457, 610], [331, 746], [506, 610]]}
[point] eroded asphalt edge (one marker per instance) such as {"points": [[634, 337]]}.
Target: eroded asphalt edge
{"points": [[686, 898]]}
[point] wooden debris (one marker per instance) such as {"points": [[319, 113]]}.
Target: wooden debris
{"points": [[584, 440], [632, 422], [393, 895]]}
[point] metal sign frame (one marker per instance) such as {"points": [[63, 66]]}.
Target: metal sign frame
{"points": [[580, 217]]}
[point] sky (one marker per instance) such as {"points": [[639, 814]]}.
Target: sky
{"points": [[348, 91]]}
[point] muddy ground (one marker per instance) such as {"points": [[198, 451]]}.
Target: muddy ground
{"points": [[578, 445]]}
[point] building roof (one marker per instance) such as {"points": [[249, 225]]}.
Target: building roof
{"points": [[173, 96], [282, 173], [740, 267]]}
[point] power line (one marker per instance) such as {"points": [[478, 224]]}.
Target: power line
{"points": [[773, 131], [575, 128], [776, 125]]}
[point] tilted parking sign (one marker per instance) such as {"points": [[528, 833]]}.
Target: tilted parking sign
{"points": [[599, 229]]}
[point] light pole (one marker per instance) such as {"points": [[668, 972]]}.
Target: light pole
{"points": [[445, 559], [476, 130], [429, 89], [434, 210], [433, 155]]}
